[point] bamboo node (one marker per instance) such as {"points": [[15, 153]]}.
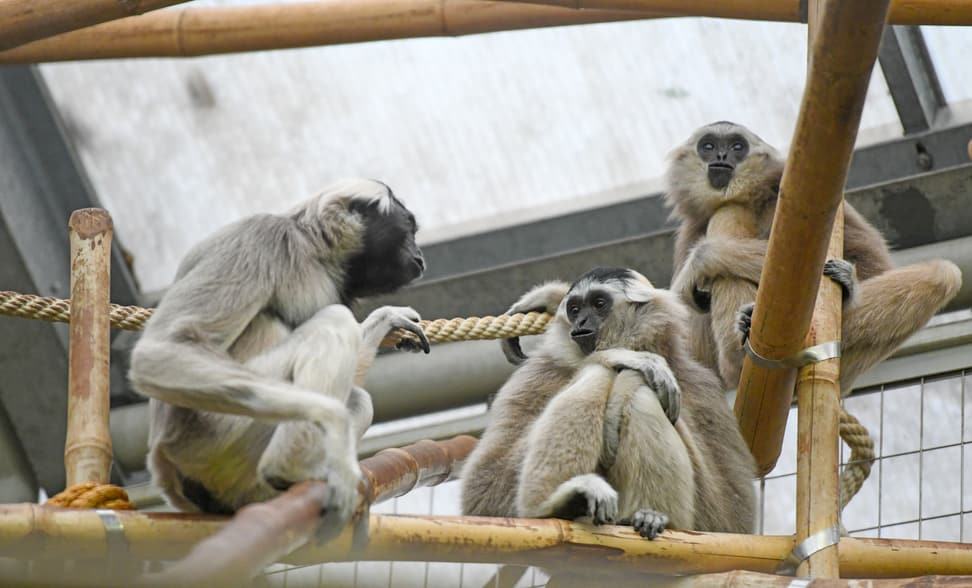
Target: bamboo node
{"points": [[92, 495]]}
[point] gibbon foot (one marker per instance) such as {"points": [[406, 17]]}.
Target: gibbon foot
{"points": [[842, 272], [649, 523]]}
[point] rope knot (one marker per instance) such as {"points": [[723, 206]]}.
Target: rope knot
{"points": [[92, 495]]}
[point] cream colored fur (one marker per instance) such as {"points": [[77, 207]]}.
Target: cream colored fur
{"points": [[888, 304]]}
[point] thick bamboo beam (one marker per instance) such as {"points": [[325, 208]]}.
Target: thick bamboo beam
{"points": [[191, 31], [87, 449], [30, 531], [911, 12], [29, 20], [841, 59], [262, 533]]}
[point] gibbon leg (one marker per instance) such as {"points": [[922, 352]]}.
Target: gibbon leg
{"points": [[564, 447], [890, 307], [650, 465], [320, 356]]}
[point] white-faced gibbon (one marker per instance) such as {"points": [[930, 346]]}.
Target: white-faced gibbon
{"points": [[253, 360], [612, 419], [725, 164]]}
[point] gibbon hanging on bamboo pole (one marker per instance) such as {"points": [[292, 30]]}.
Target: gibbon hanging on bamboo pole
{"points": [[28, 20], [204, 30]]}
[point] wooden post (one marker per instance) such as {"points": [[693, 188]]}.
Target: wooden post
{"points": [[29, 20], [87, 450], [842, 56]]}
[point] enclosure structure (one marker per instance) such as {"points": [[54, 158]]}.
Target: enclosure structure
{"points": [[844, 52]]}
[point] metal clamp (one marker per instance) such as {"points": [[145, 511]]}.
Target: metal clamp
{"points": [[818, 541], [114, 538], [815, 354]]}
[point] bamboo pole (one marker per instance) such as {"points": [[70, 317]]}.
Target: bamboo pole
{"points": [[262, 533], [818, 384], [30, 531], [842, 56], [755, 580], [191, 31], [87, 449], [904, 12], [29, 20]]}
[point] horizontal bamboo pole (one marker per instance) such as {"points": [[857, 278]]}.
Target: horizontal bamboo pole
{"points": [[191, 31], [29, 20], [755, 580], [910, 12], [87, 446], [842, 56], [30, 531]]}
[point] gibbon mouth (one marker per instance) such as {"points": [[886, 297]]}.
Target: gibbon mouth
{"points": [[585, 339], [720, 174]]}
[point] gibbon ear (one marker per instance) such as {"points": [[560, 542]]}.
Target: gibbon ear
{"points": [[639, 288]]}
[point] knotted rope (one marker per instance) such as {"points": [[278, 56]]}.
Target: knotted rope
{"points": [[132, 318], [92, 495], [858, 467]]}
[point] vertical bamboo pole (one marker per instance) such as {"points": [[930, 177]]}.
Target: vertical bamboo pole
{"points": [[818, 401], [87, 451], [29, 20]]}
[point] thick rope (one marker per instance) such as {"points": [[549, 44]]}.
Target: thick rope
{"points": [[132, 318], [92, 495], [858, 467]]}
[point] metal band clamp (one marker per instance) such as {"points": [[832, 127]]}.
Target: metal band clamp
{"points": [[815, 354], [818, 541]]}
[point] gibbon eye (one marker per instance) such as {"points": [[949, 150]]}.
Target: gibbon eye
{"points": [[738, 146], [599, 302], [708, 146], [573, 309]]}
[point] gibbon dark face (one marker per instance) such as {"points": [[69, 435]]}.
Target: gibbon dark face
{"points": [[389, 258], [722, 153], [590, 302]]}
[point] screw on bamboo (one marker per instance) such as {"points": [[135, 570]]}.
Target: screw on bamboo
{"points": [[28, 20], [905, 12], [87, 449], [262, 533], [842, 56], [191, 31]]}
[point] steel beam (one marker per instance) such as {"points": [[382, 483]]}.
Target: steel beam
{"points": [[911, 77]]}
